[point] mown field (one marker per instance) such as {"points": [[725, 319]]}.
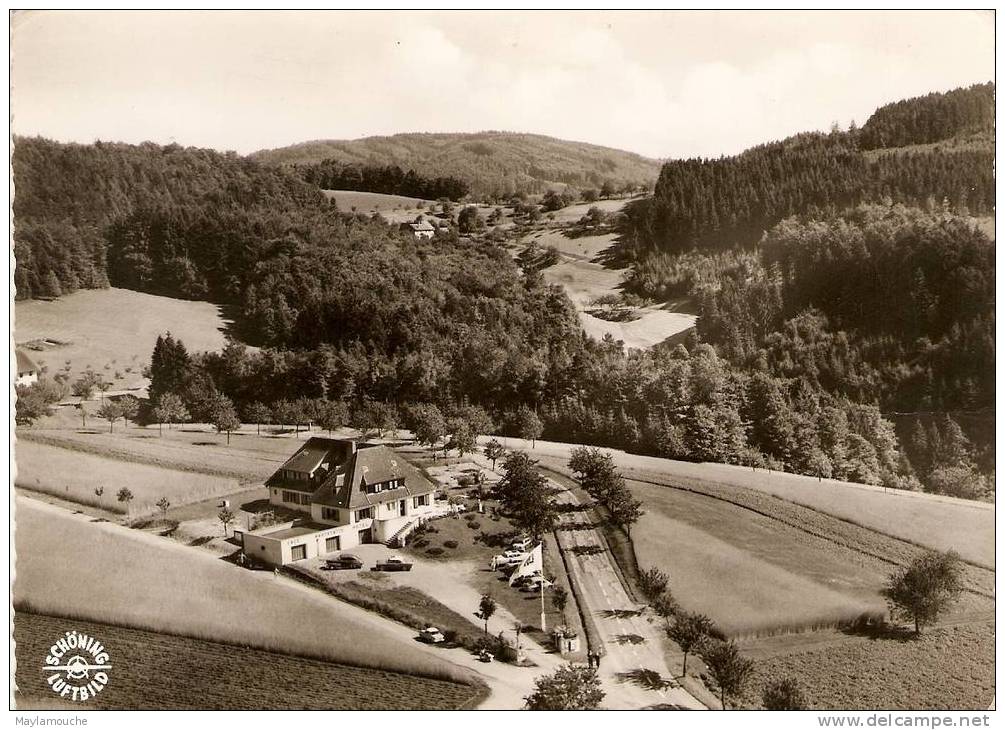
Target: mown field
{"points": [[74, 475], [395, 208], [113, 327], [947, 668], [748, 573], [939, 523], [248, 458], [129, 578], [157, 671]]}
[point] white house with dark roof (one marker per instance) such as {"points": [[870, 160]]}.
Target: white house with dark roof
{"points": [[349, 494], [420, 229], [27, 370]]}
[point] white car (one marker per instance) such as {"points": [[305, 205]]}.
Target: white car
{"points": [[534, 583], [507, 559], [521, 544], [432, 635]]}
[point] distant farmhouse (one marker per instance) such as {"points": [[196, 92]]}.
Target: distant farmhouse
{"points": [[349, 493], [419, 229], [27, 370]]}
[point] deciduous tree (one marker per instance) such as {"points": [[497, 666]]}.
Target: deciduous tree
{"points": [[572, 687], [925, 588], [730, 670]]}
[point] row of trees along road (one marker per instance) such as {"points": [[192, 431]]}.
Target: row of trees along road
{"points": [[919, 592]]}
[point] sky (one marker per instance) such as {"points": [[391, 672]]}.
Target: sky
{"points": [[663, 84]]}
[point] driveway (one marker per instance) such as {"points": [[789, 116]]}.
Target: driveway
{"points": [[633, 669]]}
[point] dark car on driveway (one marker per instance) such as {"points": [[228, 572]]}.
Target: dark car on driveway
{"points": [[392, 564], [343, 562]]}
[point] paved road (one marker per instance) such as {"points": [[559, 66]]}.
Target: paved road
{"points": [[633, 669]]}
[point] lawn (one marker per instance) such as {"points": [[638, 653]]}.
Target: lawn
{"points": [[157, 671], [74, 475], [395, 208], [404, 604], [940, 523], [248, 458], [948, 668], [116, 328], [109, 573], [748, 576]]}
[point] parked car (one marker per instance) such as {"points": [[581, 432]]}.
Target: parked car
{"points": [[525, 579], [534, 583], [343, 562], [507, 559], [521, 544], [432, 635], [485, 656], [392, 564]]}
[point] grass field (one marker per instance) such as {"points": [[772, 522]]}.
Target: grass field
{"points": [[748, 574], [155, 671], [948, 668], [248, 458], [584, 280], [395, 208], [114, 327], [939, 523], [129, 578], [74, 476]]}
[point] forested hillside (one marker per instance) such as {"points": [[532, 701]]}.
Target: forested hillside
{"points": [[798, 279], [722, 203], [69, 198], [388, 179], [493, 164], [931, 118], [838, 315]]}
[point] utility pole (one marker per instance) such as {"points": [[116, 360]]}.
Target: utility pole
{"points": [[544, 628]]}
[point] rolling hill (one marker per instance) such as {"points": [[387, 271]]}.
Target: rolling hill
{"points": [[490, 162]]}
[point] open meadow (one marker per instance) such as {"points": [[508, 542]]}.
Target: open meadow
{"points": [[749, 573], [248, 458], [947, 668], [157, 671], [74, 475], [584, 280], [927, 520], [149, 583], [116, 328], [395, 208]]}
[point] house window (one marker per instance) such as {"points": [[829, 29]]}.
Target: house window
{"points": [[332, 544], [329, 513], [420, 501], [298, 552], [296, 497], [364, 514]]}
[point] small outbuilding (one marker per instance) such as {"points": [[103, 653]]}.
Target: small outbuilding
{"points": [[27, 370]]}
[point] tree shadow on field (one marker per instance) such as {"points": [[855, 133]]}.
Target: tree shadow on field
{"points": [[629, 639], [881, 631], [620, 613], [645, 678]]}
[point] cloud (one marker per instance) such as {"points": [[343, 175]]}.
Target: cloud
{"points": [[662, 84]]}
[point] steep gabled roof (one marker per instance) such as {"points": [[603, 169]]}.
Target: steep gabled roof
{"points": [[24, 363], [309, 457], [371, 465]]}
